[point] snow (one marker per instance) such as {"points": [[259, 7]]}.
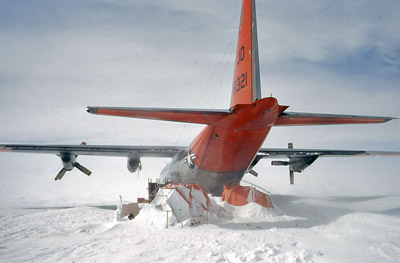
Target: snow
{"points": [[301, 229], [339, 210]]}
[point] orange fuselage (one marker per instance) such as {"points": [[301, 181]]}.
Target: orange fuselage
{"points": [[231, 144]]}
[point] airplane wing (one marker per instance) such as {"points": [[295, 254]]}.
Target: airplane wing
{"points": [[97, 150], [279, 153], [300, 159], [69, 153]]}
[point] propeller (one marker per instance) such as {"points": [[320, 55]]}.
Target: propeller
{"points": [[82, 168], [68, 161], [60, 174], [291, 174], [252, 172], [297, 162], [286, 163]]}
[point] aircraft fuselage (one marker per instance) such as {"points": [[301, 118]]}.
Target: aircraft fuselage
{"points": [[223, 152]]}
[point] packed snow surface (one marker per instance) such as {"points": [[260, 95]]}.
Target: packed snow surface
{"points": [[300, 229]]}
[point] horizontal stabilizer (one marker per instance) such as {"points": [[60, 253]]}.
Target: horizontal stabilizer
{"points": [[177, 115], [302, 118]]}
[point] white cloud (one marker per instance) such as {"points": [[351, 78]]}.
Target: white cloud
{"points": [[58, 57]]}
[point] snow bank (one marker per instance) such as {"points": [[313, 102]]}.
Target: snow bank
{"points": [[359, 229]]}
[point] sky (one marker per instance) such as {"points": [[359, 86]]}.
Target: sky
{"points": [[57, 57]]}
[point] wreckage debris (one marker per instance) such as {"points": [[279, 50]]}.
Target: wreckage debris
{"points": [[190, 204]]}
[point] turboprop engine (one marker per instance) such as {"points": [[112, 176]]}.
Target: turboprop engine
{"points": [[69, 162], [296, 164], [134, 164]]}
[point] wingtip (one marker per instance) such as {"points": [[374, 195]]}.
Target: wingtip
{"points": [[91, 110], [390, 118]]}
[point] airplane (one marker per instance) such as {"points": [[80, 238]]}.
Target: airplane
{"points": [[230, 145]]}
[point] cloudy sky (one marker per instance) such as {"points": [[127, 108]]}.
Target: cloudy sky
{"points": [[57, 57]]}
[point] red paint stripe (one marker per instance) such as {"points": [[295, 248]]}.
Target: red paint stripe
{"points": [[5, 150]]}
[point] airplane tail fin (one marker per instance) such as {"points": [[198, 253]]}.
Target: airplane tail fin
{"points": [[246, 86]]}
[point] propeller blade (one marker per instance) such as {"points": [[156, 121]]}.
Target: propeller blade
{"points": [[291, 173], [254, 173], [82, 169], [60, 174]]}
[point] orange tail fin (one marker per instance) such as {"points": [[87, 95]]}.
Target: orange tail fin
{"points": [[246, 81]]}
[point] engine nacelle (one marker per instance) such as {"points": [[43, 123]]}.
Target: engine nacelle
{"points": [[298, 164], [134, 164], [68, 161]]}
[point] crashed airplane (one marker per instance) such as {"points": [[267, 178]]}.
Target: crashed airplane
{"points": [[230, 145]]}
